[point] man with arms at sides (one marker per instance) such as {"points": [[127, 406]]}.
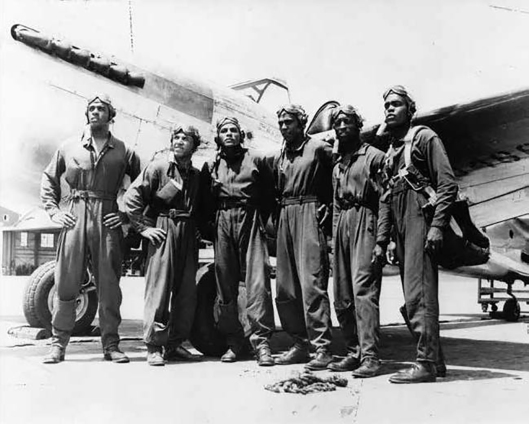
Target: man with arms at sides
{"points": [[162, 204], [242, 197], [94, 168], [303, 171], [356, 277], [416, 156]]}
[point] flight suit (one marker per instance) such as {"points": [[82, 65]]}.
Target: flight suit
{"points": [[154, 199], [242, 188], [94, 182], [357, 280], [404, 208], [304, 181]]}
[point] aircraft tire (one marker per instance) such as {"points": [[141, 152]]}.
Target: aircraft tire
{"points": [[29, 294], [205, 336], [511, 310], [39, 300]]}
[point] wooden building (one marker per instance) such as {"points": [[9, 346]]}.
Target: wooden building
{"points": [[28, 243]]}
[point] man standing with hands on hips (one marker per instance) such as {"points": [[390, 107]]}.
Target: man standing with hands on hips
{"points": [[94, 168], [163, 204]]}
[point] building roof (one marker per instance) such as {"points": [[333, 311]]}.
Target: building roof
{"points": [[35, 219], [7, 216]]}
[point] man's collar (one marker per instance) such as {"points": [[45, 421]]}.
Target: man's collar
{"points": [[172, 159], [87, 140], [346, 159], [300, 147], [232, 152]]}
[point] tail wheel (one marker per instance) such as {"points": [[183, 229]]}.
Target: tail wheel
{"points": [[40, 300], [511, 310]]}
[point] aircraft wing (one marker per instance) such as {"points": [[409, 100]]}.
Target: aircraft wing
{"points": [[488, 146], [486, 141]]}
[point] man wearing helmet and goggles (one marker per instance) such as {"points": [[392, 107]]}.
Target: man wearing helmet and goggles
{"points": [[416, 154], [94, 169], [162, 204], [303, 171], [356, 278], [242, 197]]}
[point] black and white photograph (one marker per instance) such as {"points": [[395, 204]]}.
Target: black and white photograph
{"points": [[264, 211]]}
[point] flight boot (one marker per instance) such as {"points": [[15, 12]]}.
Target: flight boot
{"points": [[54, 356], [420, 372], [349, 363], [264, 356], [231, 355], [321, 361], [115, 355], [154, 356], [180, 353], [370, 368], [440, 365], [297, 354]]}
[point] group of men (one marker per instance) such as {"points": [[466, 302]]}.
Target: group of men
{"points": [[311, 189]]}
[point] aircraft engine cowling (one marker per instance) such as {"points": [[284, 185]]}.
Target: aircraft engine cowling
{"points": [[77, 56]]}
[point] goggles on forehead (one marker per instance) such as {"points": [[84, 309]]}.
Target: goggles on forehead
{"points": [[103, 98], [187, 130], [292, 109], [398, 90], [228, 120], [347, 110]]}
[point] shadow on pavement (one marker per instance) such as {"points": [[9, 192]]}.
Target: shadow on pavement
{"points": [[397, 349], [398, 345]]}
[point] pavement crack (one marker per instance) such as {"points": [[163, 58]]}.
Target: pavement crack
{"points": [[358, 398]]}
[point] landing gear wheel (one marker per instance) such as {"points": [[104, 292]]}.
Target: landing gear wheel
{"points": [[40, 299], [205, 336], [511, 310]]}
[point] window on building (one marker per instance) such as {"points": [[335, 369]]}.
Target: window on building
{"points": [[46, 240], [23, 239]]}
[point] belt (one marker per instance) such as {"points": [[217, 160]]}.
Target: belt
{"points": [[89, 194], [399, 185], [234, 203], [176, 214], [298, 200], [353, 203]]}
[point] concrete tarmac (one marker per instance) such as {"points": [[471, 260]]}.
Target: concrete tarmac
{"points": [[487, 381]]}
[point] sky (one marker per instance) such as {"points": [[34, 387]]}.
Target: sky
{"points": [[445, 52], [346, 50]]}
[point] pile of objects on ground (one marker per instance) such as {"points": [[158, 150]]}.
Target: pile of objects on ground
{"points": [[306, 382]]}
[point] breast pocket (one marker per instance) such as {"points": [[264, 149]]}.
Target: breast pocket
{"points": [[168, 193]]}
